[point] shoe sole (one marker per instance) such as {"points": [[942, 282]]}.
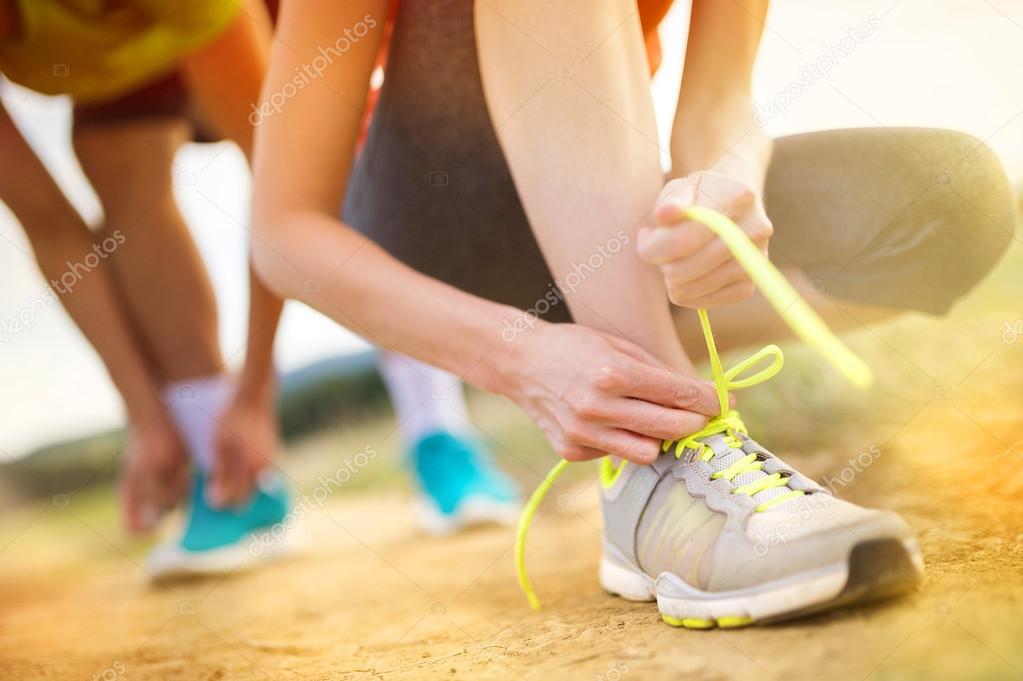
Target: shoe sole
{"points": [[875, 569], [170, 562], [474, 511]]}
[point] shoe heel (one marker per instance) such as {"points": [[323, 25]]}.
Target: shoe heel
{"points": [[625, 582]]}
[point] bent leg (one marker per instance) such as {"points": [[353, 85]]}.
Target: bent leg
{"points": [[871, 222], [159, 272]]}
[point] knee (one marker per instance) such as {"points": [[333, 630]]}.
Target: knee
{"points": [[973, 215]]}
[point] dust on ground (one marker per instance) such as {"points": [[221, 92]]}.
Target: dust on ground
{"points": [[938, 441]]}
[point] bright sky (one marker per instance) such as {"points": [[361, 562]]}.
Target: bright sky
{"points": [[948, 63]]}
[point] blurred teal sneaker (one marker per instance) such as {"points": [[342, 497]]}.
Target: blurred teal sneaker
{"points": [[460, 485], [218, 541]]}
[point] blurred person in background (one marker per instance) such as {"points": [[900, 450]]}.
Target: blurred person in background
{"points": [[514, 145], [144, 79]]}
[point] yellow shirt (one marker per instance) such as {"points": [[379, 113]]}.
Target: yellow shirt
{"points": [[95, 50]]}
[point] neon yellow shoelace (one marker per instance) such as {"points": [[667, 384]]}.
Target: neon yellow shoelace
{"points": [[796, 313]]}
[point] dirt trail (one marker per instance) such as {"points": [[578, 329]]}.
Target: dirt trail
{"points": [[940, 443], [374, 599]]}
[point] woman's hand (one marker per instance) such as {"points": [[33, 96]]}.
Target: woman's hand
{"points": [[698, 269], [246, 441], [154, 474], [593, 394]]}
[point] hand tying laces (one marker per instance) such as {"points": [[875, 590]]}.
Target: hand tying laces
{"points": [[728, 424]]}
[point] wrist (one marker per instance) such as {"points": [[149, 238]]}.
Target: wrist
{"points": [[501, 367], [718, 133], [255, 391]]}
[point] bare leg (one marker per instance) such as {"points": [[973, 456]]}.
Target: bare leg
{"points": [[160, 275], [584, 155], [870, 222]]}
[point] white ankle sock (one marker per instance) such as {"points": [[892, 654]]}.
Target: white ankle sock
{"points": [[426, 399], [195, 404]]}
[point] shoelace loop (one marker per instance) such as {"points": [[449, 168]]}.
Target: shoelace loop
{"points": [[729, 423], [796, 313]]}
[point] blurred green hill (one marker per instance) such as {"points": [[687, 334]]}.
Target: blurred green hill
{"points": [[330, 393]]}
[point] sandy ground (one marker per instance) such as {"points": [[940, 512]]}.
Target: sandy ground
{"points": [[374, 599], [938, 440]]}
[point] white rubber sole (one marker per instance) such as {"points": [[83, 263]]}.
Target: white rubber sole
{"points": [[170, 561], [473, 511], [682, 605]]}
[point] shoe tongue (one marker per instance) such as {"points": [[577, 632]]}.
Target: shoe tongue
{"points": [[725, 456]]}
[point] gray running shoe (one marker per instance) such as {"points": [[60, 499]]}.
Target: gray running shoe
{"points": [[720, 532]]}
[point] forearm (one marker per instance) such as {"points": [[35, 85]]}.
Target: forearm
{"points": [[714, 127], [303, 251], [91, 301], [257, 380], [584, 156], [61, 242], [316, 259]]}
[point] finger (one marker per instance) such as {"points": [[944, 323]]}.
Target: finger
{"points": [[161, 492], [729, 273], [129, 508], [666, 388], [670, 212], [221, 488], [651, 420], [626, 444], [659, 245], [241, 484], [729, 295], [697, 265], [577, 453], [726, 194], [139, 514]]}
